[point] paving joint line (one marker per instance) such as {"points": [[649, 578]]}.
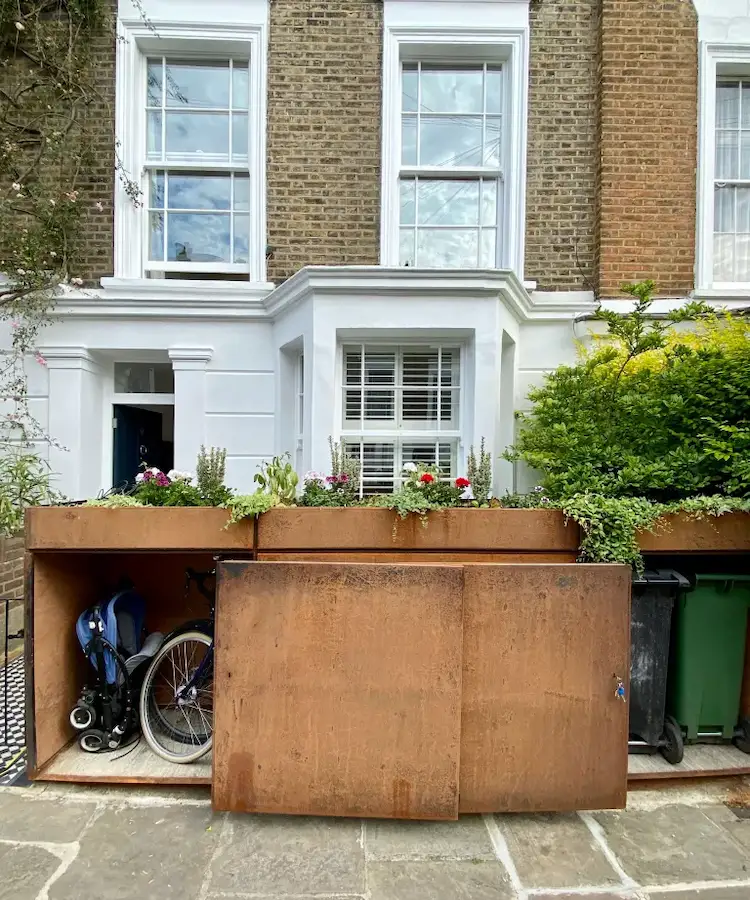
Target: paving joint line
{"points": [[502, 852], [222, 838], [597, 832]]}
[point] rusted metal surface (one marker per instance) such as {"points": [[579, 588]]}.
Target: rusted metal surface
{"points": [[686, 534], [338, 689], [425, 557], [541, 728], [450, 529], [82, 528]]}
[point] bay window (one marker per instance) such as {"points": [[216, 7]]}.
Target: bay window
{"points": [[400, 405]]}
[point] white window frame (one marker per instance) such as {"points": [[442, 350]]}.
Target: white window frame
{"points": [[508, 47], [716, 60], [299, 409], [397, 435], [137, 42]]}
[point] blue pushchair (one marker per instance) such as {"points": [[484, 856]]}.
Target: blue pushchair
{"points": [[111, 636]]}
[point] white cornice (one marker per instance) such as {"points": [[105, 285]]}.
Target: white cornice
{"points": [[400, 283]]}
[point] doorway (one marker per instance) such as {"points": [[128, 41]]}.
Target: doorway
{"points": [[143, 436]]}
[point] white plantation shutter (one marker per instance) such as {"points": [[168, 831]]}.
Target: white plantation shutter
{"points": [[407, 400]]}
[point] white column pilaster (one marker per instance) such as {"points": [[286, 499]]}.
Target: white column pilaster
{"points": [[189, 364]]}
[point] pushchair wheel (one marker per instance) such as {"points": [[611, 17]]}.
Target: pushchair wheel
{"points": [[92, 741], [81, 716]]}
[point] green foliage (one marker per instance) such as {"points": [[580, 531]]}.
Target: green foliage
{"points": [[210, 471], [24, 481], [404, 503], [279, 479], [248, 506], [646, 414], [479, 470], [609, 526], [116, 501], [421, 491], [316, 493]]}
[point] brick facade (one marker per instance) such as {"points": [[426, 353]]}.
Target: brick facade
{"points": [[324, 101], [11, 588], [648, 144], [562, 148]]}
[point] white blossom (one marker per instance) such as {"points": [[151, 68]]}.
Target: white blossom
{"points": [[139, 477], [99, 205], [78, 282], [16, 186], [20, 26], [410, 467], [21, 271], [174, 475]]}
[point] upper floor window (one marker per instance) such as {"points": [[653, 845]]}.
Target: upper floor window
{"points": [[731, 254], [196, 158], [450, 179]]}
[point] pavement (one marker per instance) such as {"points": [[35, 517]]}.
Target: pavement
{"points": [[59, 842]]}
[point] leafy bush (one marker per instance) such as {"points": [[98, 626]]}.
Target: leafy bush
{"points": [[479, 470], [649, 412], [24, 481], [116, 501], [210, 472], [279, 479]]}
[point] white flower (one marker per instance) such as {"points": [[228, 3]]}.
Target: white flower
{"points": [[20, 26], [139, 477], [52, 253], [53, 202], [410, 467], [16, 186], [174, 475], [21, 271], [313, 476], [154, 470], [78, 282], [99, 206]]}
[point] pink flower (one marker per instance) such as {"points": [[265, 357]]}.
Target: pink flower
{"points": [[161, 479], [343, 479], [40, 359], [330, 479]]}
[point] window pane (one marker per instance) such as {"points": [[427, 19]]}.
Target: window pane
{"points": [[154, 83], [380, 368], [408, 198], [153, 139], [452, 90], [494, 91], [241, 193], [377, 467], [144, 378], [724, 209], [198, 237], [156, 199], [745, 154], [742, 258], [745, 104], [447, 248], [379, 405], [406, 248], [724, 257], [726, 154], [450, 141], [353, 367], [743, 209], [199, 191], [240, 86], [198, 85], [409, 140], [420, 407], [489, 203], [199, 133], [156, 241], [241, 239], [448, 202], [440, 454], [450, 369], [409, 89], [489, 249], [420, 368], [353, 405], [239, 136], [727, 105], [492, 142]]}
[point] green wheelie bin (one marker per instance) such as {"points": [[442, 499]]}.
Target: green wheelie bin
{"points": [[708, 657]]}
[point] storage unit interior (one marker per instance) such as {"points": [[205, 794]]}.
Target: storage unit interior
{"points": [[62, 586]]}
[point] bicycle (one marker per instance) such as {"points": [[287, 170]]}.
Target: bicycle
{"points": [[176, 704]]}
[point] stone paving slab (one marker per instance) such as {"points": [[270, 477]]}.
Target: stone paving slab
{"points": [[673, 845], [438, 880], [290, 855], [736, 893], [159, 852], [466, 839], [24, 870], [555, 851], [25, 818]]}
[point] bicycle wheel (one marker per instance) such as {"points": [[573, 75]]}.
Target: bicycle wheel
{"points": [[176, 705]]}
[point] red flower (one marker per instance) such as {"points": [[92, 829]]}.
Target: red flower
{"points": [[462, 482], [427, 478]]}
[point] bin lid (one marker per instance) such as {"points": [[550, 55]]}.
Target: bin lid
{"points": [[661, 578], [714, 577]]}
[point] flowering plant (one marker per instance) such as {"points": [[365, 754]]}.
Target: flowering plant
{"points": [[155, 488], [340, 488]]}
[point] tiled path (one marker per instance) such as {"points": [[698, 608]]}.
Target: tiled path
{"points": [[12, 755], [79, 844]]}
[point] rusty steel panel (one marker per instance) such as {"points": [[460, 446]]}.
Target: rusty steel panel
{"points": [[542, 729], [338, 689]]}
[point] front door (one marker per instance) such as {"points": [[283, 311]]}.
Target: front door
{"points": [[137, 441]]}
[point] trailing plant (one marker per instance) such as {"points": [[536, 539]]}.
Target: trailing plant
{"points": [[247, 506], [279, 479], [116, 501], [210, 472], [421, 491], [479, 470]]}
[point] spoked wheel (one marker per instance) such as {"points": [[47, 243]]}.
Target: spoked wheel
{"points": [[177, 708]]}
